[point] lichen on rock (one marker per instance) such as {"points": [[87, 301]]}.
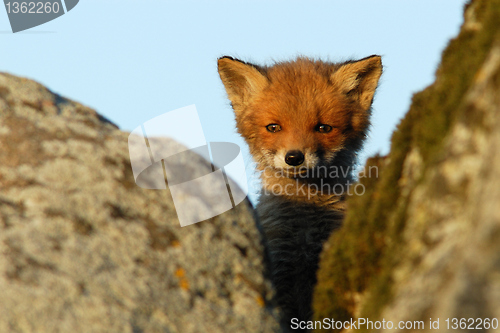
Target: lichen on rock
{"points": [[84, 249]]}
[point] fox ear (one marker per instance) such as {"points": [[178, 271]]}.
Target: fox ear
{"points": [[241, 80], [359, 79]]}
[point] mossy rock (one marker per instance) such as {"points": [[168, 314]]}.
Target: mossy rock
{"points": [[442, 159]]}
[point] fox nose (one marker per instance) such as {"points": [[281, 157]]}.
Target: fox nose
{"points": [[294, 158]]}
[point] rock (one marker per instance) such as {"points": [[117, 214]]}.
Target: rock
{"points": [[424, 240], [84, 249]]}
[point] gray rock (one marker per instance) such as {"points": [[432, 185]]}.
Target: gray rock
{"points": [[84, 249]]}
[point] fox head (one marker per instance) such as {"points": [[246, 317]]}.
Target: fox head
{"points": [[304, 113]]}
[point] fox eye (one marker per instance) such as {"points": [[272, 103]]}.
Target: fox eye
{"points": [[323, 128], [273, 128]]}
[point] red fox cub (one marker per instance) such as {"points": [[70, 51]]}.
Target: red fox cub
{"points": [[304, 121]]}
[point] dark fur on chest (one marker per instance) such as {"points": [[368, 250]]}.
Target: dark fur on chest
{"points": [[295, 233]]}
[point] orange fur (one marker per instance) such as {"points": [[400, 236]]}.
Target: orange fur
{"points": [[319, 116], [299, 95]]}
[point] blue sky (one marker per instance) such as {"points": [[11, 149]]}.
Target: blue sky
{"points": [[135, 60]]}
